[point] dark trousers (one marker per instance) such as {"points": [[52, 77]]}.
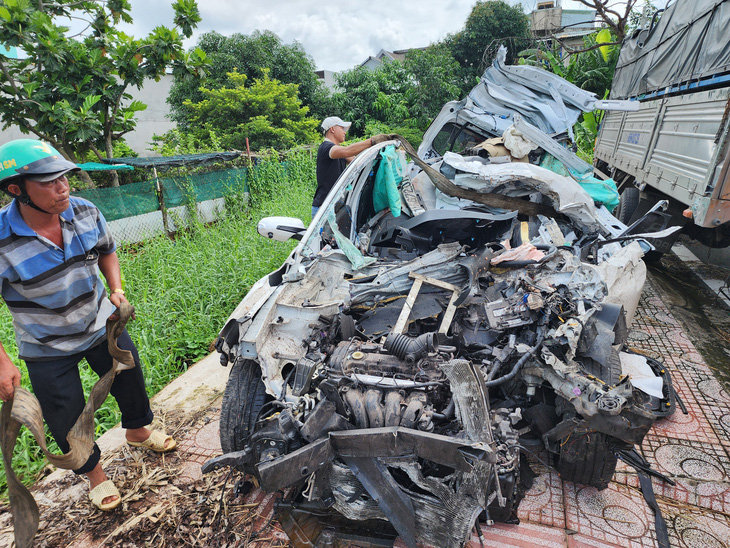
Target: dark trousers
{"points": [[57, 385]]}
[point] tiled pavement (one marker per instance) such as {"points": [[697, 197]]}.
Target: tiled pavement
{"points": [[692, 449]]}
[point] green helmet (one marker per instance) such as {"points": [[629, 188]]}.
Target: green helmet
{"points": [[33, 159]]}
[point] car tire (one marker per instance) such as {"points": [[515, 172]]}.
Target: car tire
{"points": [[588, 457], [628, 203], [243, 399]]}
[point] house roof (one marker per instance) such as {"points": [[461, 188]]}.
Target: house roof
{"points": [[395, 55]]}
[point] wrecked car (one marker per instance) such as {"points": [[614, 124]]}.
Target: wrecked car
{"points": [[436, 324]]}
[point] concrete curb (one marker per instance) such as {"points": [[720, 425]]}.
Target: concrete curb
{"points": [[714, 285]]}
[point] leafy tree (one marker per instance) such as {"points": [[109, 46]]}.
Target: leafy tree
{"points": [[373, 95], [617, 16], [250, 55], [74, 92], [436, 78], [592, 69], [403, 96], [267, 112], [488, 21]]}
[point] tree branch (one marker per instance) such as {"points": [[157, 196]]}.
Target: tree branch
{"points": [[96, 151], [10, 80], [571, 51]]}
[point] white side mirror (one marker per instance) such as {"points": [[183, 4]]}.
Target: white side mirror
{"points": [[281, 228]]}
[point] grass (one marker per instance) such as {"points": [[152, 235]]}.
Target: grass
{"points": [[184, 289]]}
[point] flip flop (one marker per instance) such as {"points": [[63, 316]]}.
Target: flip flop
{"points": [[156, 442], [103, 490]]}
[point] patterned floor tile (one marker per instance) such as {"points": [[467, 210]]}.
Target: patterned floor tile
{"points": [[691, 529], [543, 503], [700, 471], [525, 535], [617, 515]]}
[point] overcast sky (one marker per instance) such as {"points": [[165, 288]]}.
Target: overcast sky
{"points": [[337, 34]]}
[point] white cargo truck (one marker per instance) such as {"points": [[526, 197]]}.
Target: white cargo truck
{"points": [[676, 146]]}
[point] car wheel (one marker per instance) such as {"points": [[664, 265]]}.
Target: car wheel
{"points": [[628, 203], [243, 399], [588, 457]]}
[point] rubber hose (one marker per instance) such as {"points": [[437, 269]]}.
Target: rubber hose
{"points": [[410, 349], [518, 365]]}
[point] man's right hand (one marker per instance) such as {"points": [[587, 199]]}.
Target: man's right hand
{"points": [[382, 137], [9, 379]]}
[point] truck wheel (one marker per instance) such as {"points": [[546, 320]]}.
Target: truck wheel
{"points": [[628, 203], [243, 399]]}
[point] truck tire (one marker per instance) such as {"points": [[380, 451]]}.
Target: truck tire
{"points": [[243, 399], [588, 457], [628, 203]]}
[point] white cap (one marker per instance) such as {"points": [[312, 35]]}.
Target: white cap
{"points": [[335, 121]]}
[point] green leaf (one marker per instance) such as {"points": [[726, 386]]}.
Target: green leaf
{"points": [[89, 102], [136, 106]]}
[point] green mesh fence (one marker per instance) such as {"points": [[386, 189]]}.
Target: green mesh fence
{"points": [[134, 211], [140, 198]]}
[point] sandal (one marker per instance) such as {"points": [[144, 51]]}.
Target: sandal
{"points": [[156, 442], [103, 490]]}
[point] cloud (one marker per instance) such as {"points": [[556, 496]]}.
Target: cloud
{"points": [[338, 35]]}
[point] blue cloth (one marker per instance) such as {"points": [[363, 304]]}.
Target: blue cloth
{"points": [[55, 295]]}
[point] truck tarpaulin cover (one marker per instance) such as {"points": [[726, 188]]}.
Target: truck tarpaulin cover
{"points": [[688, 43]]}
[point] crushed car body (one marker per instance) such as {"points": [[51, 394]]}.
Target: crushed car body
{"points": [[393, 376]]}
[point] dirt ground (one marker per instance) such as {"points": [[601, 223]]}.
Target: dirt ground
{"points": [[160, 507], [166, 502]]}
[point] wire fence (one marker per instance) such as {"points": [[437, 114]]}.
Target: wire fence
{"points": [[138, 211]]}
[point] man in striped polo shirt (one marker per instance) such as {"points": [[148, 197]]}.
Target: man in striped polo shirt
{"points": [[52, 249]]}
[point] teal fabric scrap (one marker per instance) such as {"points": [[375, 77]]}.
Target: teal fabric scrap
{"points": [[602, 192], [389, 176]]}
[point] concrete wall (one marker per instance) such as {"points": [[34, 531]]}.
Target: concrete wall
{"points": [[545, 21], [153, 120], [327, 77]]}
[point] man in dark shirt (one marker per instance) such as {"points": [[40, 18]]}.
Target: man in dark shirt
{"points": [[333, 158]]}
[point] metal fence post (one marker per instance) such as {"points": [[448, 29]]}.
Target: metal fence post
{"points": [[161, 201]]}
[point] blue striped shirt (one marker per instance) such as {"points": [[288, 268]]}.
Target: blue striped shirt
{"points": [[55, 295]]}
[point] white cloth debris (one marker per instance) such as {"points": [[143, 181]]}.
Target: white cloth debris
{"points": [[516, 143], [642, 376]]}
